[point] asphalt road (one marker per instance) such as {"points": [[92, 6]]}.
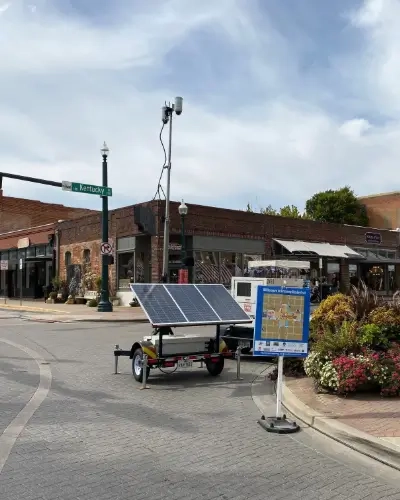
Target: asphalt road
{"points": [[95, 435]]}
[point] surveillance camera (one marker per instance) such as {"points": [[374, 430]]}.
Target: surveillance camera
{"points": [[178, 105], [164, 115]]}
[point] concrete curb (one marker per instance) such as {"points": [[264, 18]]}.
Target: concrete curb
{"points": [[384, 452], [53, 318]]}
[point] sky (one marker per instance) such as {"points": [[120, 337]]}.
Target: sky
{"points": [[281, 99]]}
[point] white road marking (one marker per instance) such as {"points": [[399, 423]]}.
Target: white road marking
{"points": [[14, 429]]}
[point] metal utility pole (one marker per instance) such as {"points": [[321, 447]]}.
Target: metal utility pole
{"points": [[167, 113], [104, 304]]}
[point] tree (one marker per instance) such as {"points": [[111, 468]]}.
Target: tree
{"points": [[340, 206], [286, 211], [290, 211]]}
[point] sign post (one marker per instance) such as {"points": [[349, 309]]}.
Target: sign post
{"points": [[21, 264], [281, 329], [3, 272]]}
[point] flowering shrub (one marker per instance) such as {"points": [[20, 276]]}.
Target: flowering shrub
{"points": [[385, 316], [354, 372], [388, 372], [334, 310], [328, 376]]}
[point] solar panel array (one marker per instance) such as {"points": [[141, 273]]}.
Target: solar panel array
{"points": [[184, 305]]}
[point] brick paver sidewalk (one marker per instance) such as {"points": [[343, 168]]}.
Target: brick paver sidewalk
{"points": [[372, 414], [40, 310]]}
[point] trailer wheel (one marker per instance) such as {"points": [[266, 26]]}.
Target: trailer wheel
{"points": [[215, 368], [137, 369]]}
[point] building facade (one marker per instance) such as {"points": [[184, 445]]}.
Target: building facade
{"points": [[28, 243], [222, 242], [383, 210]]}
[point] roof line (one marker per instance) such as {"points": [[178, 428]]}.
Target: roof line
{"points": [[27, 229], [390, 193]]}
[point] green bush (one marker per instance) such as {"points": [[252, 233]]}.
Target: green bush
{"points": [[338, 339], [372, 335], [92, 303]]}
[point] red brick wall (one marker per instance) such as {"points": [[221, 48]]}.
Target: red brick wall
{"points": [[222, 222], [85, 232], [383, 210], [37, 236], [18, 213]]}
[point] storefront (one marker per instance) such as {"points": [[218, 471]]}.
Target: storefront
{"points": [[133, 264], [375, 266], [218, 259], [31, 268]]}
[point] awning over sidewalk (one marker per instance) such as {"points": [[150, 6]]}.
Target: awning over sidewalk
{"points": [[320, 249]]}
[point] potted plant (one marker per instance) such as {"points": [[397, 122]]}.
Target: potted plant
{"points": [[52, 297]]}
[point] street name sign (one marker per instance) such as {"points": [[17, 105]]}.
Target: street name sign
{"points": [[78, 187]]}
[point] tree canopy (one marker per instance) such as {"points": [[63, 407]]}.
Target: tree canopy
{"points": [[340, 206], [286, 211]]}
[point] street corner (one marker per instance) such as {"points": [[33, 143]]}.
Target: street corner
{"points": [[334, 427]]}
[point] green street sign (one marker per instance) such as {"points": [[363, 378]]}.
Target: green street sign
{"points": [[78, 187]]}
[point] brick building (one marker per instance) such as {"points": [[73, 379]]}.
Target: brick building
{"points": [[383, 209], [28, 232], [222, 242]]}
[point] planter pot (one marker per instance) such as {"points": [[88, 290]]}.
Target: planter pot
{"points": [[115, 301], [59, 295], [80, 300], [50, 301]]}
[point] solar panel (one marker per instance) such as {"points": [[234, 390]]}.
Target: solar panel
{"points": [[192, 304], [223, 303], [186, 304], [158, 304]]}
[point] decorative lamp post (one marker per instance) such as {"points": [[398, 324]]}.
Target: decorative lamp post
{"points": [[183, 210], [104, 304]]}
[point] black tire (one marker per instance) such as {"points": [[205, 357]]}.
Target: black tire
{"points": [[215, 369], [137, 369]]}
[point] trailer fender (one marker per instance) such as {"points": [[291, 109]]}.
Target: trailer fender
{"points": [[223, 347], [147, 348]]}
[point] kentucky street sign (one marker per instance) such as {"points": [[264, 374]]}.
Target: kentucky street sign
{"points": [[78, 187]]}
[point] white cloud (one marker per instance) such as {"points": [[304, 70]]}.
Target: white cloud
{"points": [[67, 83]]}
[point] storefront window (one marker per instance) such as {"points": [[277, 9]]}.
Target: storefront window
{"points": [[229, 266], [40, 251], [86, 256], [392, 278], [207, 267], [126, 269], [67, 259], [374, 277], [12, 255], [140, 268], [353, 274], [30, 252]]}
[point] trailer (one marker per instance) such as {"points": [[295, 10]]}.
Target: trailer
{"points": [[172, 306]]}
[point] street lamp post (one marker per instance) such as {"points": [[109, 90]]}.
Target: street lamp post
{"points": [[167, 114], [104, 304], [183, 210]]}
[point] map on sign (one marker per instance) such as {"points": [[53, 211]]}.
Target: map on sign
{"points": [[282, 317], [282, 321]]}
